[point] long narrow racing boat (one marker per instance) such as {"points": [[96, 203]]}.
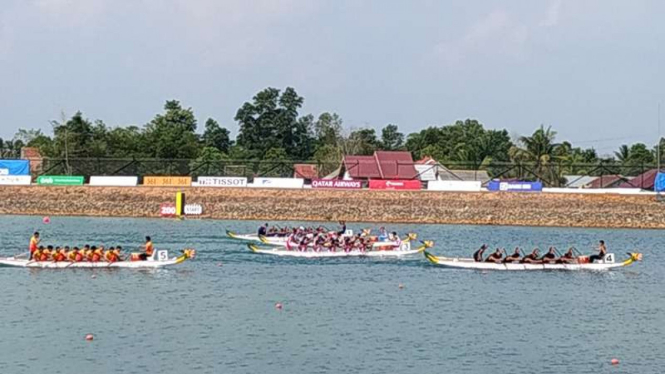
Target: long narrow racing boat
{"points": [[278, 251], [158, 260], [468, 263]]}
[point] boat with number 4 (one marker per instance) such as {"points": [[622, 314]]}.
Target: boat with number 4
{"points": [[607, 263], [158, 260], [277, 251]]}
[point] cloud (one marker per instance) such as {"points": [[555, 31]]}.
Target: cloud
{"points": [[552, 15], [499, 33]]}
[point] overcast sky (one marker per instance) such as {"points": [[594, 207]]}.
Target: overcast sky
{"points": [[593, 69]]}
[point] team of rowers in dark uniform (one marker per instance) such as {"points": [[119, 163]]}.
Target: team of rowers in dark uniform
{"points": [[550, 257], [323, 239], [87, 253]]}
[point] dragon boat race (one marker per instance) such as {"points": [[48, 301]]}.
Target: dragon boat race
{"points": [[293, 186]]}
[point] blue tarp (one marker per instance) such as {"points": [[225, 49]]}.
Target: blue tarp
{"points": [[659, 183], [14, 167]]}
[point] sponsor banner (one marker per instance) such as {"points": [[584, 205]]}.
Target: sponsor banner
{"points": [[336, 183], [167, 181], [659, 183], [15, 180], [426, 172], [167, 210], [278, 182], [14, 167], [221, 182], [465, 186], [114, 181], [60, 180], [378, 184], [515, 186], [193, 209]]}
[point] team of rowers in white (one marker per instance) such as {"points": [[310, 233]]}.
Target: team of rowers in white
{"points": [[550, 257], [323, 239]]}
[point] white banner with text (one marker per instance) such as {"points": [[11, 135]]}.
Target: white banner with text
{"points": [[113, 181]]}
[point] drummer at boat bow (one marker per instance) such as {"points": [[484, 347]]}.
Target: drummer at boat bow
{"points": [[263, 230], [149, 249], [602, 250], [478, 255], [34, 243]]}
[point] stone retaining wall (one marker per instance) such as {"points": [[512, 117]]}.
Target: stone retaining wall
{"points": [[529, 209]]}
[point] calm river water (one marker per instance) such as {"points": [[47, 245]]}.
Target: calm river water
{"points": [[217, 314]]}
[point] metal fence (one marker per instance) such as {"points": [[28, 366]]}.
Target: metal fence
{"points": [[552, 175]]}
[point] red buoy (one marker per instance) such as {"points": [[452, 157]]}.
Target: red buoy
{"points": [[46, 220], [615, 361], [89, 337], [278, 306]]}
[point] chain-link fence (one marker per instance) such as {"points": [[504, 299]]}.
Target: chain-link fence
{"points": [[605, 174]]}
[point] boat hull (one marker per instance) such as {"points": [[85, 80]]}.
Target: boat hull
{"points": [[337, 254], [161, 259], [468, 263]]}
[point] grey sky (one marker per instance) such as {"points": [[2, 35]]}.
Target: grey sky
{"points": [[593, 69]]}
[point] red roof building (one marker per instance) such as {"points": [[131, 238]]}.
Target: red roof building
{"points": [[607, 181], [382, 165], [305, 171], [644, 181]]}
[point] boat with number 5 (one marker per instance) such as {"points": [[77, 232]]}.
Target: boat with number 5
{"points": [[159, 259], [607, 263], [277, 251]]}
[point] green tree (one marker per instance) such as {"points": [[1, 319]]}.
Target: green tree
{"points": [[127, 142], [275, 163], [328, 159], [271, 120], [209, 163], [328, 130], [361, 142], [172, 135], [216, 136], [391, 138]]}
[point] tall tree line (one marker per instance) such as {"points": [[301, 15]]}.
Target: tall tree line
{"points": [[272, 128]]}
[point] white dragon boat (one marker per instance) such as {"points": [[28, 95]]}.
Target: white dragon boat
{"points": [[272, 240], [607, 263], [158, 260], [278, 251], [403, 245]]}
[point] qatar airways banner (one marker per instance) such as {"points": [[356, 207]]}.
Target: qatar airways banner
{"points": [[221, 182], [515, 186], [336, 184], [377, 184]]}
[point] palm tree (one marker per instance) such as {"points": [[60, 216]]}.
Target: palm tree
{"points": [[540, 150], [623, 154]]}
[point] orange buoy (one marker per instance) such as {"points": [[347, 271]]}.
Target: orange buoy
{"points": [[89, 337], [46, 220], [278, 306], [615, 361]]}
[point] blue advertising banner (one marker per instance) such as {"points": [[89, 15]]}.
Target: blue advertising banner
{"points": [[14, 167], [659, 184], [515, 186]]}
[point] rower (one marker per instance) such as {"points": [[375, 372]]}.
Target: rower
{"points": [[89, 254], [495, 257], [46, 253], [549, 257], [383, 234], [263, 230], [602, 250], [515, 257], [149, 249], [567, 257], [342, 231], [37, 254], [478, 255], [84, 252], [34, 243], [531, 258]]}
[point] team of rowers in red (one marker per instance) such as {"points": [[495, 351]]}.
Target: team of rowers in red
{"points": [[551, 257], [323, 239], [87, 253]]}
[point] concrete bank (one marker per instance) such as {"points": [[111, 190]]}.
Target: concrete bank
{"points": [[526, 209]]}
